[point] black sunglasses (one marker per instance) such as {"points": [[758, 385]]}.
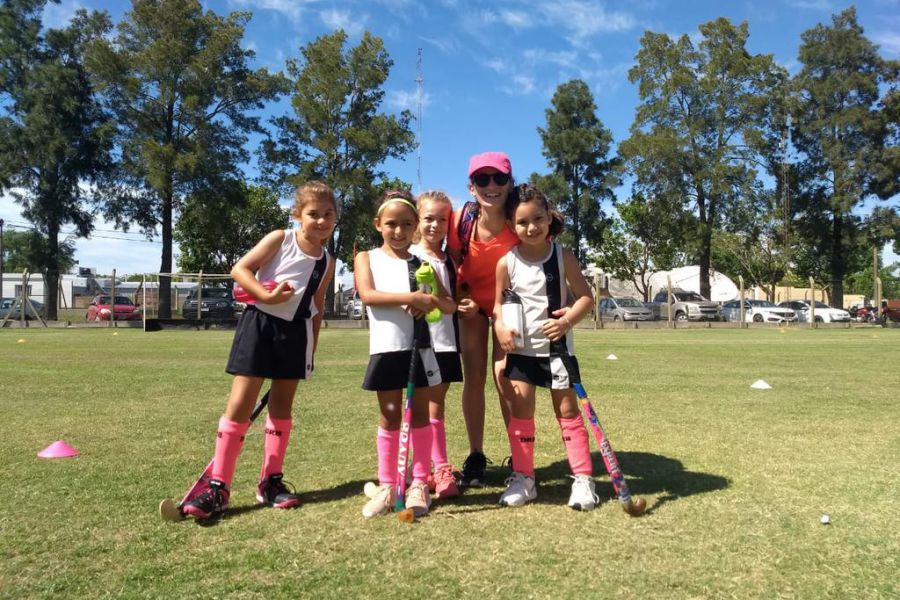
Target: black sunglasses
{"points": [[483, 179]]}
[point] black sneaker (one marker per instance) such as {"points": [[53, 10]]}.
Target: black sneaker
{"points": [[275, 493], [209, 503], [473, 470]]}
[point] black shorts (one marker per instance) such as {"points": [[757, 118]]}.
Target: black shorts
{"points": [[390, 370], [552, 372], [270, 347], [451, 368]]}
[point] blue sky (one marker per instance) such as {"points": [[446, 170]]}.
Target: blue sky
{"points": [[489, 70]]}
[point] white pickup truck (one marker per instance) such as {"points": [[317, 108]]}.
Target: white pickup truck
{"points": [[686, 306]]}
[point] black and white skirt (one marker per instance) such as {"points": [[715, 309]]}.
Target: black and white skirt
{"points": [[553, 372], [390, 370], [271, 347]]}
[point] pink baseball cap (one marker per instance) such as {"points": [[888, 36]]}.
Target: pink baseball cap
{"points": [[496, 160]]}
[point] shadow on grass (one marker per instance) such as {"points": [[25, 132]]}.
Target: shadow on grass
{"points": [[645, 473], [339, 492], [347, 489]]}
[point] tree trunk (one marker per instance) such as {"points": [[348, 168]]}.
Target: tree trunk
{"points": [[329, 308], [165, 282], [52, 275], [705, 241], [837, 260]]}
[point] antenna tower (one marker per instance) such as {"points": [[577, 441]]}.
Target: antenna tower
{"points": [[785, 186], [419, 82]]}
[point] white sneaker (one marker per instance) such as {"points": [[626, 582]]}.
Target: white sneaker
{"points": [[519, 490], [418, 499], [583, 496], [381, 502]]}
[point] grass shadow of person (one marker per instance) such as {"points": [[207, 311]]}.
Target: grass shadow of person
{"points": [[231, 512], [344, 490], [348, 489], [645, 474]]}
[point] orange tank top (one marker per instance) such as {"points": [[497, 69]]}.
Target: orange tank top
{"points": [[479, 266]]}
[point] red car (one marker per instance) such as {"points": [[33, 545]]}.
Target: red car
{"points": [[126, 310]]}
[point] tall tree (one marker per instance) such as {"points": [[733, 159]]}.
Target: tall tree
{"points": [[646, 237], [336, 133], [577, 145], [180, 86], [847, 134], [31, 250], [216, 229], [54, 138], [707, 119]]}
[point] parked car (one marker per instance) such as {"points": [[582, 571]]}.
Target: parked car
{"points": [[125, 309], [758, 311], [624, 309], [216, 303], [13, 308], [686, 306], [354, 307], [824, 313]]}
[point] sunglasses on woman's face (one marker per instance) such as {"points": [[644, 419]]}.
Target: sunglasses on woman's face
{"points": [[483, 179]]}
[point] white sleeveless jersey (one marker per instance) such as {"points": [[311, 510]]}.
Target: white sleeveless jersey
{"points": [[390, 327], [542, 287], [293, 265], [443, 333]]}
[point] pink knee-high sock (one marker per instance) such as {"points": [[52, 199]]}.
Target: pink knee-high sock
{"points": [[438, 443], [521, 443], [422, 446], [388, 443], [578, 448], [229, 441], [278, 434]]}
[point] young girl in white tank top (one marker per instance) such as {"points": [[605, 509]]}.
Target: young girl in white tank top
{"points": [[386, 284]]}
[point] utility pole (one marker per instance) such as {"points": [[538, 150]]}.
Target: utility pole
{"points": [[419, 82]]}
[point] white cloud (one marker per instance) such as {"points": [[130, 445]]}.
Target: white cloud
{"points": [[823, 5], [57, 16], [293, 9], [516, 19], [445, 45], [889, 41], [352, 24], [522, 85], [584, 19], [538, 56], [407, 100], [496, 64]]}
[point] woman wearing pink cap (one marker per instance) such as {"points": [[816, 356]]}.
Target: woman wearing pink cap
{"points": [[479, 237]]}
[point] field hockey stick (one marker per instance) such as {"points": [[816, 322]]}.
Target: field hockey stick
{"points": [[633, 507], [406, 514], [168, 509]]}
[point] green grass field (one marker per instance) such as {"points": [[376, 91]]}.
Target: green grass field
{"points": [[736, 479]]}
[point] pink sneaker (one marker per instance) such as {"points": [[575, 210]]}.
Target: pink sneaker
{"points": [[275, 493], [445, 482]]}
